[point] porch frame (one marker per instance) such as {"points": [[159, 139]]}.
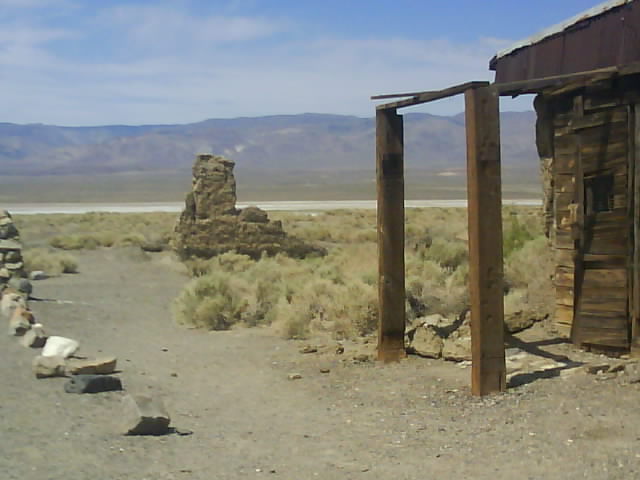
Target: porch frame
{"points": [[486, 278]]}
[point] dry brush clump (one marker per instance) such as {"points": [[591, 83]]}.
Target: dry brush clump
{"points": [[338, 293], [92, 230], [51, 262]]}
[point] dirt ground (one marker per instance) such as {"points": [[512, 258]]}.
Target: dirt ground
{"points": [[359, 420]]}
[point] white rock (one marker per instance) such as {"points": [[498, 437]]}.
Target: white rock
{"points": [[38, 275], [60, 346]]}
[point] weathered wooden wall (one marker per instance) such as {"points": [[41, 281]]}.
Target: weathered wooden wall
{"points": [[593, 137]]}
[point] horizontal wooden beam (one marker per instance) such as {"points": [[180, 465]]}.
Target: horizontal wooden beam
{"points": [[425, 97], [399, 95], [537, 84]]}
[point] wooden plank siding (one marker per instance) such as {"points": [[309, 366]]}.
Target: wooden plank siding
{"points": [[592, 248]]}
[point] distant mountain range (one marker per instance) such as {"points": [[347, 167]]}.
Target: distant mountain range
{"points": [[303, 143]]}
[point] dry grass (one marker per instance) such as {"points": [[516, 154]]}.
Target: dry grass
{"points": [[337, 293], [51, 262]]}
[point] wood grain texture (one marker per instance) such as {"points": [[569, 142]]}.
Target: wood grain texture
{"points": [[485, 241], [391, 275]]}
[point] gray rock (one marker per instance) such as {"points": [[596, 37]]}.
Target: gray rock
{"points": [[144, 415], [45, 367], [97, 366], [21, 284], [92, 384], [10, 244], [34, 337], [8, 231], [12, 256]]}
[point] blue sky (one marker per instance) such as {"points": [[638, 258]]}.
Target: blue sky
{"points": [[96, 62]]}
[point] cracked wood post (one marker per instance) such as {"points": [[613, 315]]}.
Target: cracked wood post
{"points": [[390, 192], [488, 372]]}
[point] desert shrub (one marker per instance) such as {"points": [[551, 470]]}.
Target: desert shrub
{"points": [[215, 301], [447, 252], [51, 262], [74, 242], [337, 294], [129, 239], [320, 305]]}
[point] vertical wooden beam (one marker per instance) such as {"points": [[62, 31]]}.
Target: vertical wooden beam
{"points": [[634, 133], [488, 371], [390, 191]]}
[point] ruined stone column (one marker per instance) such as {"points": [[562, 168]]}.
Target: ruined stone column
{"points": [[544, 143]]}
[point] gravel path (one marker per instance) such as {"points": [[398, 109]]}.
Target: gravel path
{"points": [[360, 420]]}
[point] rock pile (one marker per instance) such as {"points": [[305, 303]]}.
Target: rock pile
{"points": [[211, 224], [11, 264], [143, 416], [436, 336]]}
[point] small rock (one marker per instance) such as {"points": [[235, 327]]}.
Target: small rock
{"points": [[60, 346], [426, 342], [10, 301], [144, 415], [92, 384], [325, 370], [34, 337], [618, 367], [44, 367], [457, 348], [97, 366], [339, 350], [599, 368], [362, 358], [294, 376], [308, 349], [19, 323], [38, 275], [21, 284]]}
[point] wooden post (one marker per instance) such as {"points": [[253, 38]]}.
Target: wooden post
{"points": [[488, 372], [634, 133], [390, 191]]}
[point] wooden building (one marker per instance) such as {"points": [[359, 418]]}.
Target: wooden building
{"points": [[585, 73], [588, 133]]}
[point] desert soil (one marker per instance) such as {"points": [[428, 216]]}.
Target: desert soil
{"points": [[231, 391]]}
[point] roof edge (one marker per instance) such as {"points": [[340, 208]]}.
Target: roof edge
{"points": [[560, 27]]}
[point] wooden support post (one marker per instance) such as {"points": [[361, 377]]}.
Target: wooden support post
{"points": [[488, 370], [390, 190], [634, 133]]}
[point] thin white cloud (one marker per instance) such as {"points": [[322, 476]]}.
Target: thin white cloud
{"points": [[166, 28], [173, 67]]}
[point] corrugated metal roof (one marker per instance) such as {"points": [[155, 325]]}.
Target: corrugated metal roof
{"points": [[560, 27]]}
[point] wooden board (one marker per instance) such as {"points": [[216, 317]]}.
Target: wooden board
{"points": [[488, 371], [391, 277], [592, 248]]}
